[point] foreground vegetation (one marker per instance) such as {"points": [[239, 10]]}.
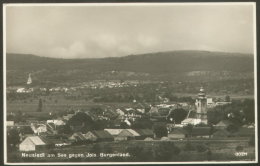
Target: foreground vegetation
{"points": [[143, 151]]}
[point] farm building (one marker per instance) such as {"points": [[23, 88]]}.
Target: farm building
{"points": [[113, 132], [144, 133], [9, 123], [177, 134], [39, 128], [126, 134], [223, 124], [33, 143], [77, 137], [56, 122], [201, 132], [222, 133], [99, 135]]}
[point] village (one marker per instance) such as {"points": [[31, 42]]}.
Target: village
{"points": [[164, 121]]}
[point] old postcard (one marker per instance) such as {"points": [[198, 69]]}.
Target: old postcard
{"points": [[129, 83]]}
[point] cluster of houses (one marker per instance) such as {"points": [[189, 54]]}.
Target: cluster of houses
{"points": [[220, 130], [35, 142], [212, 103]]}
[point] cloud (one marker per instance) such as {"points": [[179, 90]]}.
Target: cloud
{"points": [[75, 50], [147, 41]]}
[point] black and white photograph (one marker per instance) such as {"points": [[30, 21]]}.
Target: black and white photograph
{"points": [[130, 83]]}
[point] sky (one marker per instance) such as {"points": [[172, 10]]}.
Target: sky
{"points": [[96, 31]]}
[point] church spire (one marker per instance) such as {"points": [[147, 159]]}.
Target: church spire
{"points": [[29, 81]]}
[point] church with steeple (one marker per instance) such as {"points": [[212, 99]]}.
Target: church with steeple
{"points": [[29, 81], [199, 115], [201, 106]]}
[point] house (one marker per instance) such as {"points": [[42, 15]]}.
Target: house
{"points": [[177, 134], [68, 116], [39, 128], [222, 103], [144, 133], [9, 123], [223, 124], [126, 134], [98, 135], [57, 122], [51, 128], [120, 112], [222, 133], [33, 143], [192, 121], [77, 137], [248, 126], [113, 132], [201, 132], [141, 110], [210, 102]]}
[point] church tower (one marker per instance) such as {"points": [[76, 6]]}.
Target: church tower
{"points": [[29, 81], [201, 106]]}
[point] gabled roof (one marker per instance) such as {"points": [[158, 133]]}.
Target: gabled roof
{"points": [[36, 140], [102, 134], [113, 131], [78, 136], [52, 125], [223, 123], [144, 132], [133, 132]]}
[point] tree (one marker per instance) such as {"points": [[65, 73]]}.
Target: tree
{"points": [[160, 131], [40, 106], [83, 120], [227, 98], [178, 115], [135, 152], [165, 151], [189, 129], [13, 137], [201, 148], [252, 141], [65, 129]]}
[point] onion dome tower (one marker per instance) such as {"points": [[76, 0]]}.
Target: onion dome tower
{"points": [[201, 106]]}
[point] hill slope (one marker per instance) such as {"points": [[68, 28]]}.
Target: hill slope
{"points": [[153, 65]]}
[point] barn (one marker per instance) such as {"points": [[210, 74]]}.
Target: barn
{"points": [[33, 143], [144, 133], [99, 135]]}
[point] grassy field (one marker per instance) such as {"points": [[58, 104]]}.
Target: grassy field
{"points": [[56, 104]]}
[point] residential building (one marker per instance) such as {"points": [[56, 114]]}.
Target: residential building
{"points": [[98, 135], [33, 143]]}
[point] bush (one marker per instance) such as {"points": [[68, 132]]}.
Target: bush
{"points": [[189, 147], [135, 152], [252, 141], [201, 148], [239, 148], [165, 151]]}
